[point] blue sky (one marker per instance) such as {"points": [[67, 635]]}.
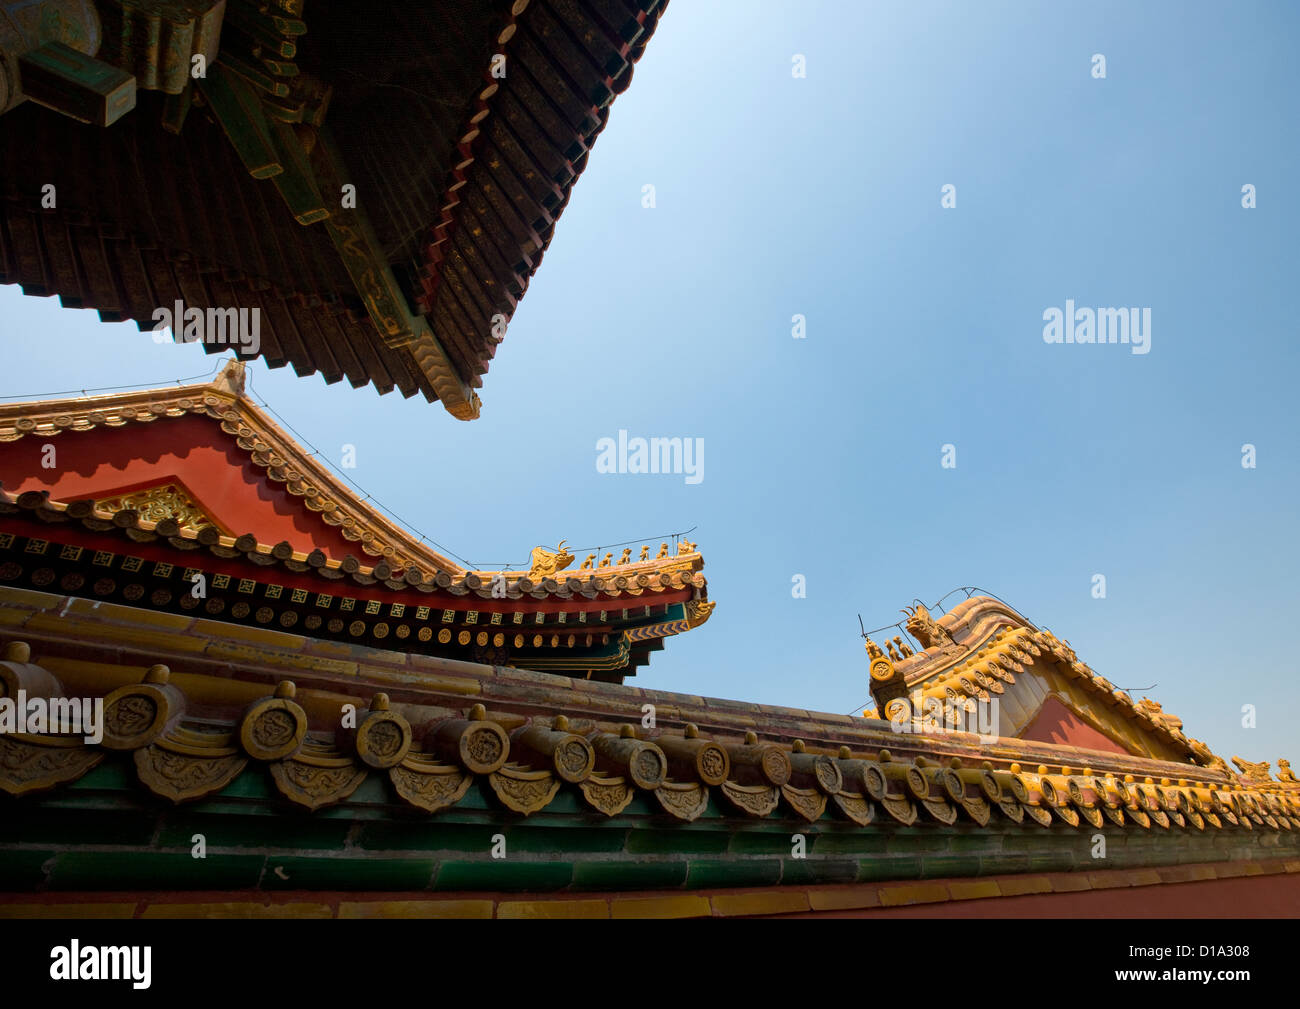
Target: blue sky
{"points": [[778, 196]]}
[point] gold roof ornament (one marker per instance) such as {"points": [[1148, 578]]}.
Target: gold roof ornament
{"points": [[1284, 772], [698, 611], [231, 378], [1255, 772], [982, 647], [924, 628], [1154, 711], [545, 562]]}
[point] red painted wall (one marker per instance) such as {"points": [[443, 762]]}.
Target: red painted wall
{"points": [[1055, 723], [224, 481]]}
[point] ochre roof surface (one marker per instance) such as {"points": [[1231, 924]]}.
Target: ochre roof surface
{"points": [[982, 650]]}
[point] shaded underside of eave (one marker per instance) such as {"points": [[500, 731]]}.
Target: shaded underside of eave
{"points": [[126, 240], [145, 218]]}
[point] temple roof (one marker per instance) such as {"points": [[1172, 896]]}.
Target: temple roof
{"points": [[983, 650], [177, 509], [430, 726], [380, 184], [419, 760]]}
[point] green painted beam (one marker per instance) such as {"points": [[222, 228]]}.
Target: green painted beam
{"points": [[76, 85]]}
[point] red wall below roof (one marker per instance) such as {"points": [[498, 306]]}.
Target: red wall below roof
{"points": [[1055, 723], [221, 476]]}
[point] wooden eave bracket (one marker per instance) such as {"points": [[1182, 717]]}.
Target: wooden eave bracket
{"points": [[354, 237], [307, 168]]}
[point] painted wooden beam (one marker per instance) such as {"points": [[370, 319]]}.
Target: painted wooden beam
{"points": [[76, 85], [354, 237]]}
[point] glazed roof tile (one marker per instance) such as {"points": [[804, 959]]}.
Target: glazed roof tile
{"points": [[430, 735]]}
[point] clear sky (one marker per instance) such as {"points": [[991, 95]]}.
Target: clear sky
{"points": [[821, 196]]}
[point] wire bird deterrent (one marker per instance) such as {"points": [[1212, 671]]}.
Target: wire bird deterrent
{"points": [[901, 625], [424, 537]]}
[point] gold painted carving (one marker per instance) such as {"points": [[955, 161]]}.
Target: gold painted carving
{"points": [[698, 611], [829, 778], [274, 727], [977, 809], [926, 630], [807, 802], [942, 810], [684, 800], [610, 795], [523, 790], [902, 810], [429, 784], [856, 807], [322, 782], [483, 747], [131, 717], [166, 501], [713, 764], [182, 776], [383, 742], [1255, 772], [138, 714], [546, 563], [28, 766], [383, 738], [574, 759], [1153, 710], [756, 800]]}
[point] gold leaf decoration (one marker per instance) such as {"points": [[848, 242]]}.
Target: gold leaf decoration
{"points": [[166, 501]]}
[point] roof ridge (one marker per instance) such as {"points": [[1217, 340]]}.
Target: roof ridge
{"points": [[226, 400]]}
